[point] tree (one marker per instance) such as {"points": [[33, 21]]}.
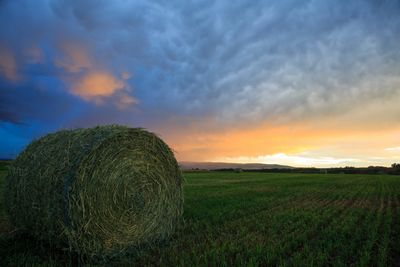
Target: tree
{"points": [[396, 166]]}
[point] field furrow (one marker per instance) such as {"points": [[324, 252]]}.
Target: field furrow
{"points": [[338, 227], [263, 219], [394, 239]]}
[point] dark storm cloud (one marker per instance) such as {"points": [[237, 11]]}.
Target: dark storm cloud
{"points": [[37, 104], [237, 61], [292, 58]]}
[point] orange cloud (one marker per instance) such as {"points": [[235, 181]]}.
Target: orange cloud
{"points": [[92, 84], [194, 145], [97, 84], [125, 101], [8, 64], [74, 58], [205, 139], [208, 141]]}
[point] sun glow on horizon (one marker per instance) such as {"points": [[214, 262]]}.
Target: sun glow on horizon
{"points": [[301, 90], [299, 145], [295, 160]]}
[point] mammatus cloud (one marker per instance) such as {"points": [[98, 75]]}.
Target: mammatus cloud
{"points": [[279, 61], [236, 64]]}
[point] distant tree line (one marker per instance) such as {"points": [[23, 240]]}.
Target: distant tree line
{"points": [[394, 169]]}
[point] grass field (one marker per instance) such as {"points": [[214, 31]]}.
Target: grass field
{"points": [[251, 219]]}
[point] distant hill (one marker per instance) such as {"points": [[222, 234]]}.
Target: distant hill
{"points": [[186, 165]]}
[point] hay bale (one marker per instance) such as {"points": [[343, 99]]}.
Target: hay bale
{"points": [[96, 191]]}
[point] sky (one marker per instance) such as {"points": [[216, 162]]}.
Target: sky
{"points": [[301, 83]]}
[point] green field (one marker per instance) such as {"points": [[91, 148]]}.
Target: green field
{"points": [[252, 219]]}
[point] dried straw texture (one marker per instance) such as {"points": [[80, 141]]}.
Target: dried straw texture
{"points": [[96, 191]]}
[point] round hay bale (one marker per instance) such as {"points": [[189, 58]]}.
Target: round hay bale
{"points": [[96, 191]]}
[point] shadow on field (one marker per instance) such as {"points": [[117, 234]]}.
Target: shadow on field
{"points": [[23, 250], [20, 249]]}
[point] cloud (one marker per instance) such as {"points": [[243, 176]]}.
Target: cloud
{"points": [[97, 84], [84, 78], [72, 58], [35, 103], [280, 62], [393, 149], [233, 63], [8, 64], [125, 101]]}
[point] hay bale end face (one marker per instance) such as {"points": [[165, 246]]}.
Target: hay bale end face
{"points": [[96, 191]]}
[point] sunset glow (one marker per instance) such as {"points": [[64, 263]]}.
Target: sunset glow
{"points": [[297, 83]]}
